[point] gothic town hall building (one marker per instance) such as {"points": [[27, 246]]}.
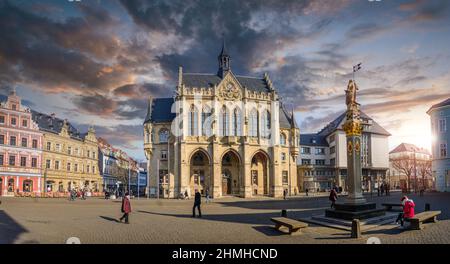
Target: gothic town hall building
{"points": [[225, 134]]}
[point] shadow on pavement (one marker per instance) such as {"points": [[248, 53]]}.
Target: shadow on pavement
{"points": [[291, 203], [10, 230], [252, 218], [109, 219]]}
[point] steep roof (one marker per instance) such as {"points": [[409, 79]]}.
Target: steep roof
{"points": [[336, 124], [406, 147], [53, 124], [161, 111], [209, 80], [441, 104], [313, 140]]}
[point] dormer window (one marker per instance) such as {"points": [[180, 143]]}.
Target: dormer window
{"points": [[14, 107]]}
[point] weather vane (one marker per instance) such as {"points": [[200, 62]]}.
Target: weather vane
{"points": [[356, 68]]}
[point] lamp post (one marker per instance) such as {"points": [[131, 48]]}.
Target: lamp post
{"points": [[129, 178]]}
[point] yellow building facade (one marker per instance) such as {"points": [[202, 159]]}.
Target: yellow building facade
{"points": [[70, 159]]}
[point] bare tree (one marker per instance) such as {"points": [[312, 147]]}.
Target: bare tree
{"points": [[424, 169], [404, 164]]}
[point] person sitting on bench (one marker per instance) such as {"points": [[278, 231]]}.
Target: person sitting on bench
{"points": [[408, 210]]}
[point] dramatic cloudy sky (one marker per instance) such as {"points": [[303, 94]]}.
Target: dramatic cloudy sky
{"points": [[96, 61]]}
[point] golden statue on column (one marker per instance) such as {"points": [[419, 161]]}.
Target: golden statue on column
{"points": [[352, 125]]}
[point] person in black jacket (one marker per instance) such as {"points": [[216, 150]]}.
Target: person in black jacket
{"points": [[197, 202]]}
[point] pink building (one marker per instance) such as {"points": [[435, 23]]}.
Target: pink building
{"points": [[20, 149]]}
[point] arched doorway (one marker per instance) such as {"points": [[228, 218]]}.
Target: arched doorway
{"points": [[231, 179], [259, 174], [200, 173]]}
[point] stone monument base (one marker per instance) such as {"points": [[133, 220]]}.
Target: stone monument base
{"points": [[348, 211]]}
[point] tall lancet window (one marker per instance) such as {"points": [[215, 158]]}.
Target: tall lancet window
{"points": [[223, 122], [236, 123], [193, 121], [265, 124], [206, 121], [253, 124]]}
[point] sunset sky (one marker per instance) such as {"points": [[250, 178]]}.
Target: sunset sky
{"points": [[97, 61]]}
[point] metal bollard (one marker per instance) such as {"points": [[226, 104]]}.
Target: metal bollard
{"points": [[356, 229], [283, 213], [427, 207]]}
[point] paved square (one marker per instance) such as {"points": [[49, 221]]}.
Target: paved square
{"points": [[227, 220]]}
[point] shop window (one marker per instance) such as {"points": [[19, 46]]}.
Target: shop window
{"points": [[11, 185], [27, 186]]}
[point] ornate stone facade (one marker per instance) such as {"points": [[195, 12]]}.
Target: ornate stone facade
{"points": [[70, 159], [221, 133], [20, 149]]}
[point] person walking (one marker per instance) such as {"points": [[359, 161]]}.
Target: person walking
{"points": [[197, 203], [186, 195], [306, 191], [408, 210], [126, 208], [333, 197], [207, 195], [284, 194]]}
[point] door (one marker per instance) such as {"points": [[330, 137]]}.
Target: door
{"points": [[226, 182], [1, 186]]}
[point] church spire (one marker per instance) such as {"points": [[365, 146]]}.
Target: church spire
{"points": [[224, 60]]}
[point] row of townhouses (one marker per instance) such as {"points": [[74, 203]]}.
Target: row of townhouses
{"points": [[41, 153]]}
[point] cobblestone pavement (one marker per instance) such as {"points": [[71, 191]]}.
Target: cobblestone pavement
{"points": [[226, 220]]}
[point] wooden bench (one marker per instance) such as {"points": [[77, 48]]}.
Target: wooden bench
{"points": [[389, 206], [291, 224], [424, 217]]}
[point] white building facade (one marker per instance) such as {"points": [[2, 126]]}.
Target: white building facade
{"points": [[323, 155], [440, 118]]}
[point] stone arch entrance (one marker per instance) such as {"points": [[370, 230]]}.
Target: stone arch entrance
{"points": [[200, 172], [231, 174], [259, 171]]}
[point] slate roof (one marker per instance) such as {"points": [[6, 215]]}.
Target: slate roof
{"points": [[375, 128], [313, 140], [406, 147], [54, 125], [336, 124], [209, 80], [161, 111], [50, 124], [441, 104]]}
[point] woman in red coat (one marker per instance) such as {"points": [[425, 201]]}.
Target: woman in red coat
{"points": [[408, 210], [126, 208]]}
